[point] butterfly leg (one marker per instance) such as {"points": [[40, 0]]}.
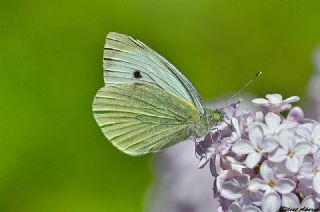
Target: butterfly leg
{"points": [[197, 144], [229, 125]]}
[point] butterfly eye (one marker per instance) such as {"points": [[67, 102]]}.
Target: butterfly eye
{"points": [[137, 75], [217, 116]]}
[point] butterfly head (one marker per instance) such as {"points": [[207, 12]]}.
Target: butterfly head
{"points": [[217, 116], [213, 116]]}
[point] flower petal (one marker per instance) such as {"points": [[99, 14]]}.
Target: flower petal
{"points": [[260, 101], [290, 201], [230, 191], [235, 124], [255, 136], [315, 135], [274, 98], [309, 202], [292, 99], [285, 107], [285, 186], [231, 110], [287, 140], [303, 132], [257, 184], [272, 120], [266, 171], [242, 147], [287, 125], [253, 159], [295, 114], [306, 169], [279, 155], [269, 145], [256, 197], [302, 149], [316, 157], [242, 180], [293, 163], [316, 182], [271, 202]]}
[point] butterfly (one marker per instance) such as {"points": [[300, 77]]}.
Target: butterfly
{"points": [[146, 103]]}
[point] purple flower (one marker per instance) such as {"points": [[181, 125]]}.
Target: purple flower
{"points": [[296, 114], [237, 189], [255, 147], [275, 103], [270, 182], [263, 160], [311, 134], [310, 171], [274, 125], [246, 118], [291, 152]]}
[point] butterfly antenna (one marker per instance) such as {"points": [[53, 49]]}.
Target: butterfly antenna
{"points": [[244, 86]]}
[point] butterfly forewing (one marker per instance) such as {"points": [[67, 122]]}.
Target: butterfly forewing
{"points": [[140, 119], [127, 60]]}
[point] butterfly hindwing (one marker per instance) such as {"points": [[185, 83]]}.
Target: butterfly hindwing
{"points": [[127, 60], [140, 119]]}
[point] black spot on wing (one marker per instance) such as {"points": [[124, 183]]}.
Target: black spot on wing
{"points": [[137, 74]]}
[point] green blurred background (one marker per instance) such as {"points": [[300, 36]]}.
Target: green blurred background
{"points": [[53, 155]]}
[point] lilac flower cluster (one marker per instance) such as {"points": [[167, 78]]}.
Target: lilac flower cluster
{"points": [[263, 160]]}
